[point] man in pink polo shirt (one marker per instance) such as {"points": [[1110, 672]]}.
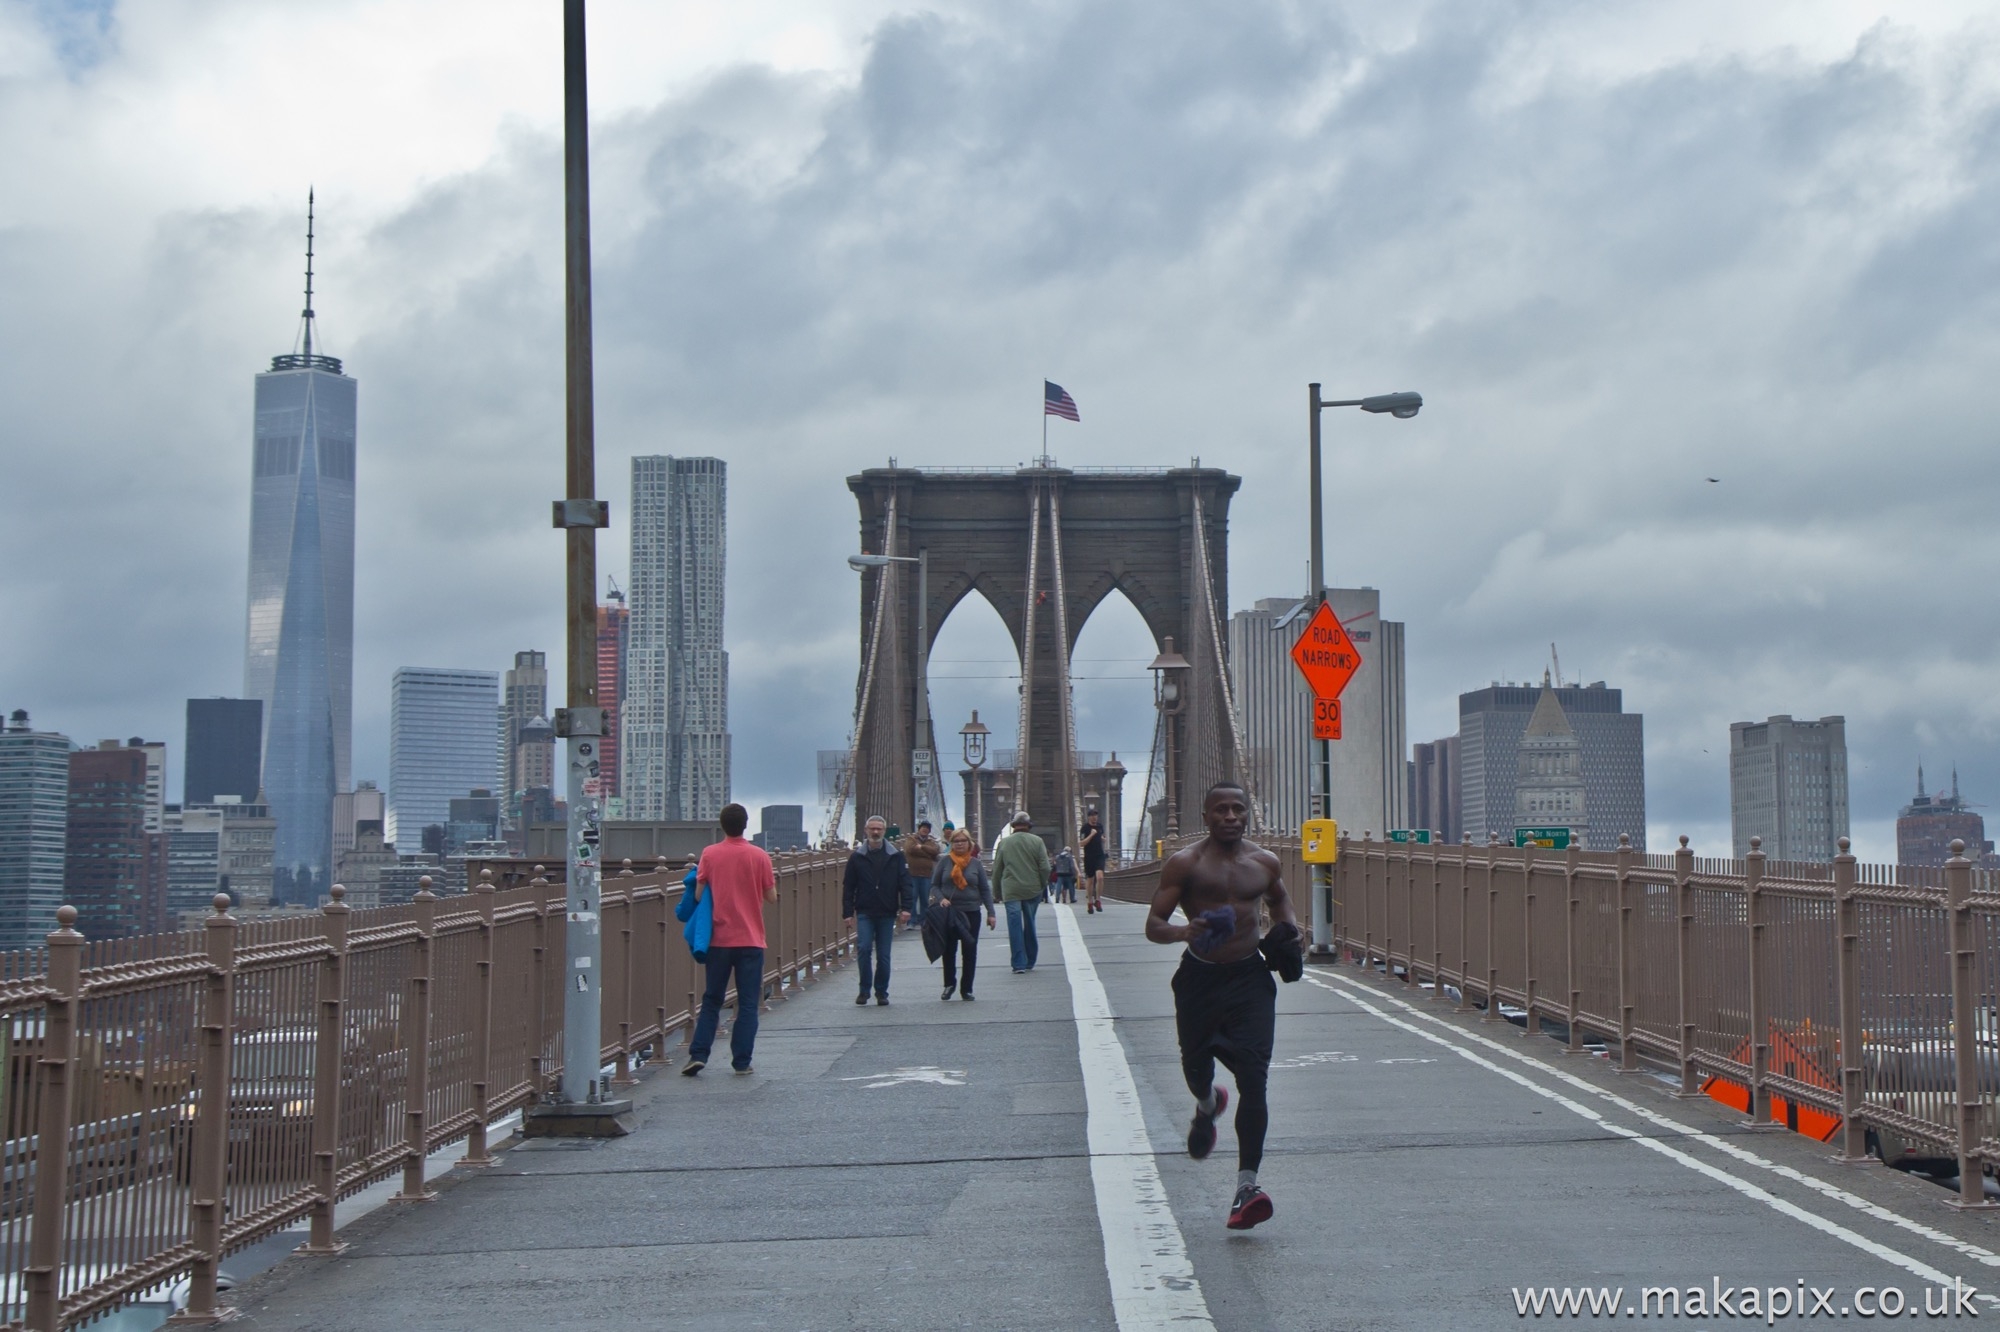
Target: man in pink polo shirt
{"points": [[737, 875]]}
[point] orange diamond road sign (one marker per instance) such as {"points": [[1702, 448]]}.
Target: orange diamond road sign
{"points": [[1325, 655]]}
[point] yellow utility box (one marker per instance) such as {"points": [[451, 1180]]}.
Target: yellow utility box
{"points": [[1320, 839]]}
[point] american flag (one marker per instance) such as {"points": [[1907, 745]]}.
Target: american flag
{"points": [[1056, 402]]}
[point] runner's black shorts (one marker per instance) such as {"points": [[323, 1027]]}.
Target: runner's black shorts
{"points": [[1226, 1011]]}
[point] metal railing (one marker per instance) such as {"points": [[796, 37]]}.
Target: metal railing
{"points": [[1842, 1000], [171, 1099]]}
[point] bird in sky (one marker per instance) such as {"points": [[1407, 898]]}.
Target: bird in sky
{"points": [[1715, 480]]}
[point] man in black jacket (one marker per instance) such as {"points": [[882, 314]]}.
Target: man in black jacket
{"points": [[871, 894]]}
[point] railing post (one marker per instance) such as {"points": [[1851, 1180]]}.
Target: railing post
{"points": [[538, 970], [208, 1180], [331, 997], [1760, 1037], [1574, 991], [1409, 912], [1965, 1029], [1531, 1024], [1628, 961], [1847, 978], [622, 1075], [1368, 905], [1684, 969], [417, 1050], [43, 1275], [1464, 919], [1492, 910], [477, 1152]]}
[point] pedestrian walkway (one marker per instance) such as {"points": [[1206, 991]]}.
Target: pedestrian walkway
{"points": [[930, 1165]]}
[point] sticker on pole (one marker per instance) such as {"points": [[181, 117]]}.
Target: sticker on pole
{"points": [[1325, 655], [1326, 718]]}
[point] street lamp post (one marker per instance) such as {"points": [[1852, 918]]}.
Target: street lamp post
{"points": [[1169, 696], [1402, 406], [972, 737]]}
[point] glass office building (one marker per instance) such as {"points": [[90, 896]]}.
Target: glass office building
{"points": [[34, 830], [300, 657], [442, 745]]}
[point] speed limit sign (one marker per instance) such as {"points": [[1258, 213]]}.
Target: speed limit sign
{"points": [[1326, 718]]}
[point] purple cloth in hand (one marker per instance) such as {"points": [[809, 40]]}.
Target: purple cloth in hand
{"points": [[1221, 923]]}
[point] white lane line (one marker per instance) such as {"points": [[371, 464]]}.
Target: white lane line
{"points": [[1152, 1281], [1917, 1267]]}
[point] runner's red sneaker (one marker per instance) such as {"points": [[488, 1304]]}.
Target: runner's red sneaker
{"points": [[1252, 1207], [1201, 1132]]}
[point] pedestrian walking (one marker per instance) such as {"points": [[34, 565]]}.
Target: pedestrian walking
{"points": [[1021, 867], [961, 885], [1225, 1002], [1065, 876], [922, 851], [1092, 845], [735, 879], [872, 895]]}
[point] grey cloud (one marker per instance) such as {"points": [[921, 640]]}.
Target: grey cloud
{"points": [[1607, 286]]}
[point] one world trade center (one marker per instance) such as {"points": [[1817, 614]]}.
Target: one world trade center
{"points": [[300, 654]]}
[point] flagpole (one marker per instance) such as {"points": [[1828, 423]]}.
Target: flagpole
{"points": [[1045, 418]]}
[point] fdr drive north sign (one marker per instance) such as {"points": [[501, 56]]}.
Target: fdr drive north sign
{"points": [[1325, 655]]}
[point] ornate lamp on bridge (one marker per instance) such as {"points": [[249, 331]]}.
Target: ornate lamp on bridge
{"points": [[972, 736], [1170, 696]]}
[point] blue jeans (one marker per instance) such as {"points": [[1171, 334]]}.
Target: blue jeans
{"points": [[920, 897], [746, 967], [872, 937], [1021, 939]]}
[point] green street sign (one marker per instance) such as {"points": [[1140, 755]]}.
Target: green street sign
{"points": [[1555, 839], [1420, 836]]}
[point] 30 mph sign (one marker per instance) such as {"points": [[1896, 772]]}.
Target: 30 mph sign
{"points": [[1326, 656], [1326, 719]]}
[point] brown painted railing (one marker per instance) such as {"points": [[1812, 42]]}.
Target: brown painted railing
{"points": [[353, 1044], [1861, 998]]}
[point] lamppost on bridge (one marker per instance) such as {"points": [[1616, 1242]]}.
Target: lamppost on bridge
{"points": [[923, 748], [972, 737], [1169, 696], [1402, 406]]}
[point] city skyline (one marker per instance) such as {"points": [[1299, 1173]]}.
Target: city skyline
{"points": [[1703, 600]]}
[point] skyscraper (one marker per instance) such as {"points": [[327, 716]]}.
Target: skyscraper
{"points": [[524, 696], [1929, 824], [440, 745], [300, 656], [1548, 773], [1370, 780], [1610, 746], [108, 870], [364, 804], [1434, 798], [612, 619], [224, 752], [1788, 785], [675, 747], [34, 830]]}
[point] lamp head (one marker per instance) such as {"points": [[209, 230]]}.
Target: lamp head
{"points": [[1402, 406], [862, 563]]}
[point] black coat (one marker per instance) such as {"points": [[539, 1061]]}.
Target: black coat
{"points": [[865, 893]]}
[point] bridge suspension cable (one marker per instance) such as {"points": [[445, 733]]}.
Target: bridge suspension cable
{"points": [[1028, 646], [1221, 660], [884, 592], [1069, 792]]}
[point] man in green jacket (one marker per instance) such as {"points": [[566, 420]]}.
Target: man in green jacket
{"points": [[1021, 870]]}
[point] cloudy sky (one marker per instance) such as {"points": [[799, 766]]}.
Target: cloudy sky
{"points": [[1620, 250]]}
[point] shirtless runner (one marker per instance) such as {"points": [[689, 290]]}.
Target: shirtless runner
{"points": [[1225, 1001]]}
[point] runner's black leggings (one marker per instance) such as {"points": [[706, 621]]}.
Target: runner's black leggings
{"points": [[1228, 1013]]}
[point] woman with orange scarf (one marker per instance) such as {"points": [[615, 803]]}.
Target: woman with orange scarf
{"points": [[959, 883]]}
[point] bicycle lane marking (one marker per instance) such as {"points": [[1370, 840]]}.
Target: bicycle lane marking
{"points": [[1153, 1283], [1826, 1225]]}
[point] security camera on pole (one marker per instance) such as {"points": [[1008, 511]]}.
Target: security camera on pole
{"points": [[1328, 659], [583, 1106]]}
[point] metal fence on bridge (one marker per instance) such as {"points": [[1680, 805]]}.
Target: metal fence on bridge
{"points": [[1840, 999], [351, 1044]]}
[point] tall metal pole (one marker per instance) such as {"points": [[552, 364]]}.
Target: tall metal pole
{"points": [[1322, 794], [924, 742], [580, 514]]}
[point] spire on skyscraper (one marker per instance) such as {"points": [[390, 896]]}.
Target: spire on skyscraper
{"points": [[304, 359], [307, 313]]}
